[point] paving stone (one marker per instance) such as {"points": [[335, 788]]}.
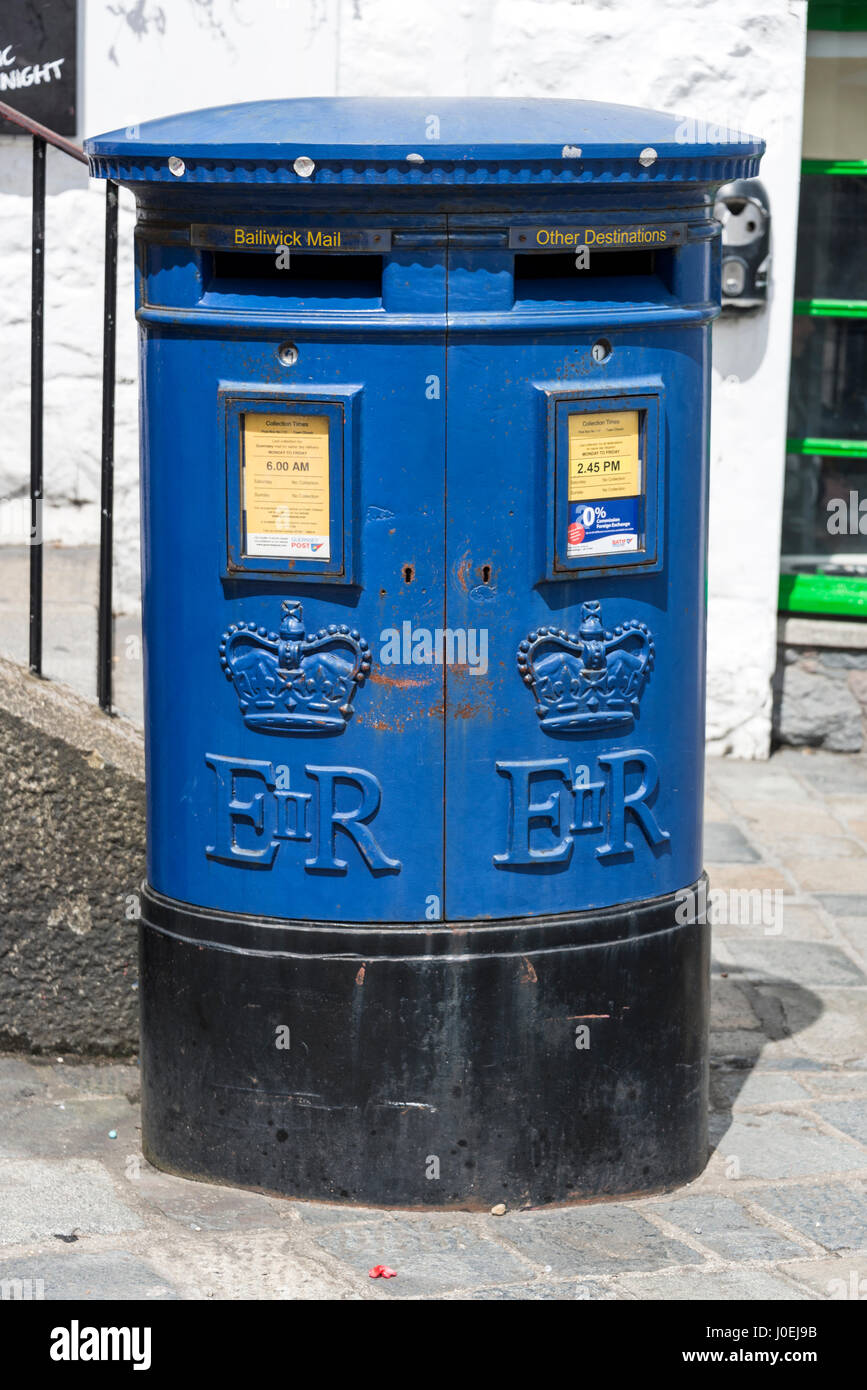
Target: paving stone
{"points": [[763, 781], [792, 848], [849, 1084], [725, 1227], [593, 1240], [726, 1284], [20, 1080], [844, 904], [110, 1274], [808, 963], [837, 780], [800, 923], [724, 843], [714, 810], [326, 1213], [776, 1145], [848, 807], [827, 1029], [203, 1205], [65, 1128], [740, 1089], [842, 1278], [568, 1291], [834, 1215], [429, 1257], [766, 820], [746, 1048], [95, 1079], [264, 1265], [854, 929], [40, 1199], [848, 1115], [730, 1006], [830, 877], [745, 878]]}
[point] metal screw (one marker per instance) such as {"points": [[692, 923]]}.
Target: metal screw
{"points": [[177, 166], [303, 166], [648, 156], [288, 354]]}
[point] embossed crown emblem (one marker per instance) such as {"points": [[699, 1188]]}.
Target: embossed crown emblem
{"points": [[290, 683], [589, 679]]}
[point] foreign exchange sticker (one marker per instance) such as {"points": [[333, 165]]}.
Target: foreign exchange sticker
{"points": [[604, 483], [286, 485]]}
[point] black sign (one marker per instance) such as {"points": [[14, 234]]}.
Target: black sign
{"points": [[37, 62], [615, 236], [292, 238]]}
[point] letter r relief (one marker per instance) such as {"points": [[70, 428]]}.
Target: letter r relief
{"points": [[622, 804]]}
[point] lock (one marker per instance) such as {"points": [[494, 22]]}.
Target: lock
{"points": [[743, 210]]}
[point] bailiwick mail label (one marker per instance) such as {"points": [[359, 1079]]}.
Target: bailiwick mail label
{"points": [[602, 528]]}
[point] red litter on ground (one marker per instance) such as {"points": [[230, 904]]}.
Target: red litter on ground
{"points": [[382, 1272]]}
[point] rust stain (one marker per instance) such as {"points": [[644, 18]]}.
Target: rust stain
{"points": [[464, 710], [528, 976], [464, 572], [399, 682], [570, 1018], [359, 979]]}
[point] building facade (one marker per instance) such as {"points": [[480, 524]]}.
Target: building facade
{"points": [[787, 595]]}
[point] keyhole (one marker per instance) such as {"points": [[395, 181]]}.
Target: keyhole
{"points": [[601, 350], [486, 574], [408, 574]]}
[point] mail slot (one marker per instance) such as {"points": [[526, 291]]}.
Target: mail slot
{"points": [[424, 402]]}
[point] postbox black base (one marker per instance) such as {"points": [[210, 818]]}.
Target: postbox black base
{"points": [[525, 1061]]}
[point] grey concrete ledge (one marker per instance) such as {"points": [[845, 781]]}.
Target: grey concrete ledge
{"points": [[54, 709], [822, 632]]}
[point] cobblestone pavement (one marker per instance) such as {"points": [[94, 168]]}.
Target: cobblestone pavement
{"points": [[777, 1214]]}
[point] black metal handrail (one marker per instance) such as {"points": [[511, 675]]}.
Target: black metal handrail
{"points": [[42, 137]]}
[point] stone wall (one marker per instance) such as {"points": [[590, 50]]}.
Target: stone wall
{"points": [[70, 871], [820, 686]]}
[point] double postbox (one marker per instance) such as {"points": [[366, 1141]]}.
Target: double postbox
{"points": [[424, 421]]}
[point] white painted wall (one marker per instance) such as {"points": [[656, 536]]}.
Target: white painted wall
{"points": [[733, 62]]}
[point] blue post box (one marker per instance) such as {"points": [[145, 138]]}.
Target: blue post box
{"points": [[424, 421]]}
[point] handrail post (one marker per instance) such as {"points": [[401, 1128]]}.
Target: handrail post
{"points": [[105, 630], [37, 313]]}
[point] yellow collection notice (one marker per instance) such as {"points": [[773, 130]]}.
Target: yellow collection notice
{"points": [[286, 485], [603, 455]]}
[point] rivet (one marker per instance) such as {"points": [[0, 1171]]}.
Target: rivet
{"points": [[415, 159], [303, 166], [647, 157], [177, 166]]}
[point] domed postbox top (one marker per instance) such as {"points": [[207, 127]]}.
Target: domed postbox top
{"points": [[425, 141]]}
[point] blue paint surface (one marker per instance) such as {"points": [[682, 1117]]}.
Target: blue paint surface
{"points": [[556, 765]]}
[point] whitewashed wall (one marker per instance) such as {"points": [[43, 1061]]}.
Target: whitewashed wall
{"points": [[733, 62]]}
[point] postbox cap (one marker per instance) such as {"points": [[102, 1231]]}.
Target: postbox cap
{"points": [[418, 141]]}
